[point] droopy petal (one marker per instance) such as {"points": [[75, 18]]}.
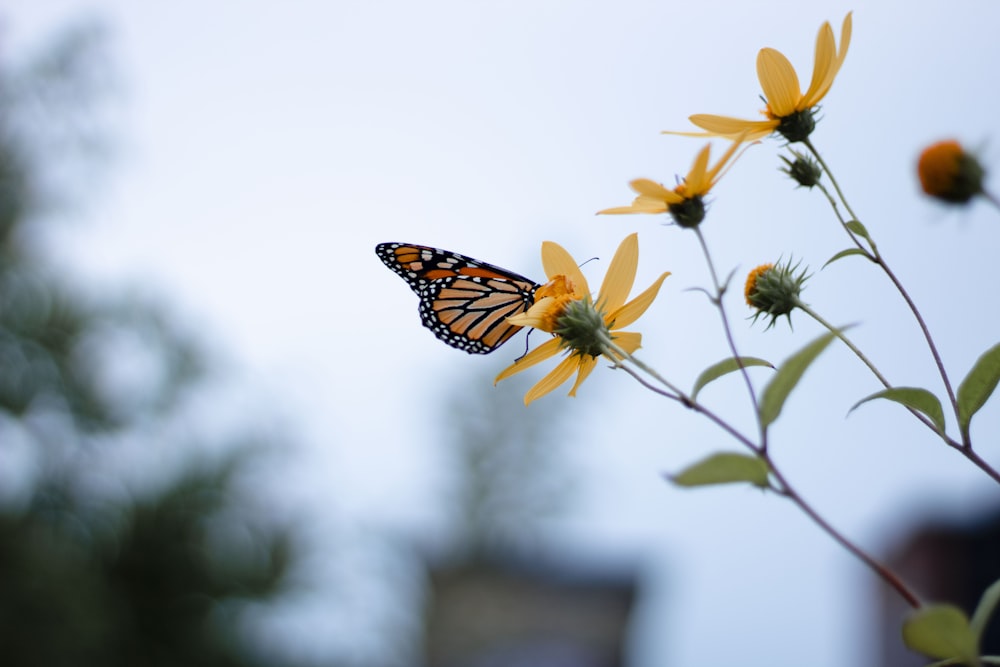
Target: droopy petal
{"points": [[779, 81], [713, 174], [587, 364], [640, 205], [556, 377], [729, 127], [547, 349], [557, 261], [654, 191], [621, 274], [634, 309]]}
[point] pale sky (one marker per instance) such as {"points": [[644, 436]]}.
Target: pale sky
{"points": [[266, 148]]}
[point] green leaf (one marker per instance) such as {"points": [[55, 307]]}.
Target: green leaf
{"points": [[978, 386], [914, 398], [856, 227], [846, 253], [987, 605], [730, 365], [941, 631], [724, 468], [788, 375]]}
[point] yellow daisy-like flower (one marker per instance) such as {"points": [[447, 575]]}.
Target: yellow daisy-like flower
{"points": [[788, 110], [587, 327], [685, 202]]}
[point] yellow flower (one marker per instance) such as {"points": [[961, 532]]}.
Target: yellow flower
{"points": [[788, 110], [685, 203], [584, 326], [949, 173]]}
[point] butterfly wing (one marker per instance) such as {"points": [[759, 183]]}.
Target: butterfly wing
{"points": [[465, 302]]}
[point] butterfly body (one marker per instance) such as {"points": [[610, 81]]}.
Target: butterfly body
{"points": [[464, 301]]}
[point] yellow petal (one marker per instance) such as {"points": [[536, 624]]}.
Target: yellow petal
{"points": [[823, 63], [587, 364], [845, 39], [630, 341], [831, 73], [645, 204], [651, 189], [729, 127], [652, 193], [556, 377], [636, 207], [696, 183], [557, 261], [634, 309], [621, 274], [779, 81], [653, 198], [537, 316], [547, 349], [713, 174]]}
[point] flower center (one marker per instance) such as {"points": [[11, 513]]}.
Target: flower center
{"points": [[687, 213], [796, 126], [582, 328]]}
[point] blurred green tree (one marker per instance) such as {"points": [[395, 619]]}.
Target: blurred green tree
{"points": [[96, 570]]}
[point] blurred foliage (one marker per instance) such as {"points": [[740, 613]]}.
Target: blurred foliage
{"points": [[90, 576]]}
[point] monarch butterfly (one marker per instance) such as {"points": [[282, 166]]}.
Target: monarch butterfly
{"points": [[465, 302]]}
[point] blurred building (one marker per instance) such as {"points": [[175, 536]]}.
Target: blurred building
{"points": [[943, 562], [494, 612]]}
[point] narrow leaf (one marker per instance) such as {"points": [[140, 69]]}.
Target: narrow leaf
{"points": [[987, 605], [730, 365], [857, 228], [914, 398], [788, 375], [941, 631], [724, 468], [846, 253], [978, 386]]}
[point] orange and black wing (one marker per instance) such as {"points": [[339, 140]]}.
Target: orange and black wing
{"points": [[465, 302]]}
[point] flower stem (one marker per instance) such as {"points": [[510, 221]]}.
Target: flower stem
{"points": [[648, 370], [876, 256], [846, 341], [881, 570], [719, 290], [833, 179], [784, 488]]}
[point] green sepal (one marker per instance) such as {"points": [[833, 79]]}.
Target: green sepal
{"points": [[787, 376], [978, 386], [724, 367], [941, 631], [914, 398], [724, 468]]}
